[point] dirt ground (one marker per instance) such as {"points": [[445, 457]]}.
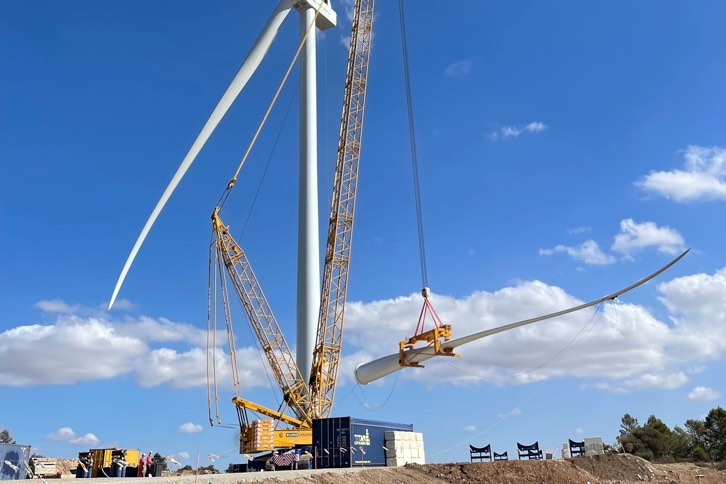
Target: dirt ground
{"points": [[616, 469]]}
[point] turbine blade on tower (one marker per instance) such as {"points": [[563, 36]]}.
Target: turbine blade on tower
{"points": [[250, 64]]}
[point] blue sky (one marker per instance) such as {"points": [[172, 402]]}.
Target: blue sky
{"points": [[566, 149]]}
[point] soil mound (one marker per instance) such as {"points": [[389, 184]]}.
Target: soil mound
{"points": [[509, 472]]}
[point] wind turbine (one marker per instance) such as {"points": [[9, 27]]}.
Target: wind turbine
{"points": [[308, 268]]}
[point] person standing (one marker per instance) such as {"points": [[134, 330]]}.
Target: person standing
{"points": [[150, 464], [122, 463], [142, 465]]}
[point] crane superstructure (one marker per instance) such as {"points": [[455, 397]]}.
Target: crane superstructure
{"points": [[311, 398]]}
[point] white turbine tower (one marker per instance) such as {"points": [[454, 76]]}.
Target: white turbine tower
{"points": [[308, 277]]}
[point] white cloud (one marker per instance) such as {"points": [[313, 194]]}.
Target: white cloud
{"points": [[121, 305], [58, 306], [579, 230], [588, 252], [459, 68], [515, 412], [63, 434], [139, 347], [55, 306], [66, 434], [345, 20], [703, 177], [469, 428], [182, 455], [190, 428], [703, 394], [647, 381], [622, 348], [88, 439], [635, 236], [509, 132]]}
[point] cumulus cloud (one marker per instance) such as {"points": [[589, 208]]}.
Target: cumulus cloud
{"points": [[459, 68], [588, 252], [622, 347], [88, 439], [647, 381], [190, 428], [182, 455], [66, 434], [63, 434], [469, 428], [515, 412], [121, 305], [636, 236], [56, 306], [697, 307], [510, 132], [703, 394], [703, 177], [154, 351]]}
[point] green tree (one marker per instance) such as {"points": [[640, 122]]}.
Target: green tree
{"points": [[681, 447], [695, 445], [715, 433], [160, 459], [657, 438], [654, 440], [186, 468], [5, 437], [628, 424], [628, 438]]}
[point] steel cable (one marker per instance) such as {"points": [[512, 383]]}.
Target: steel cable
{"points": [[414, 158]]}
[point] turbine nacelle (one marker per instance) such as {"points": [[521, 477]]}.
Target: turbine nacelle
{"points": [[327, 18]]}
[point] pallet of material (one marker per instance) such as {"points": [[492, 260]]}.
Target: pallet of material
{"points": [[43, 467]]}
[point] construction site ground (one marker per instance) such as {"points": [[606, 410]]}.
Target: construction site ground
{"points": [[621, 469]]}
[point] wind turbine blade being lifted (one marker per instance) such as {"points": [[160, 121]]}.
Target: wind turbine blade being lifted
{"points": [[376, 369], [249, 66]]}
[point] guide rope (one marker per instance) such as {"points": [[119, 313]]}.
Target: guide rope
{"points": [[225, 193]]}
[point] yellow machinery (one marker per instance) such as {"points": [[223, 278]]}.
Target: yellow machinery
{"points": [[311, 398], [104, 459], [441, 333]]}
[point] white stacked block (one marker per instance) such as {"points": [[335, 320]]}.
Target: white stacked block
{"points": [[404, 448], [594, 446]]}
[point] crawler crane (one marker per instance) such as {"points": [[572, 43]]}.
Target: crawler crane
{"points": [[313, 397]]}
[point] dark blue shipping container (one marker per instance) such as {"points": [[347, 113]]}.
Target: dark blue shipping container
{"points": [[351, 442], [17, 456]]}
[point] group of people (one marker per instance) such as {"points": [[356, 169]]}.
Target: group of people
{"points": [[146, 463], [85, 466]]}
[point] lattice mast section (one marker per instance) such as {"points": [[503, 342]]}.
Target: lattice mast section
{"points": [[326, 355], [264, 324]]}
